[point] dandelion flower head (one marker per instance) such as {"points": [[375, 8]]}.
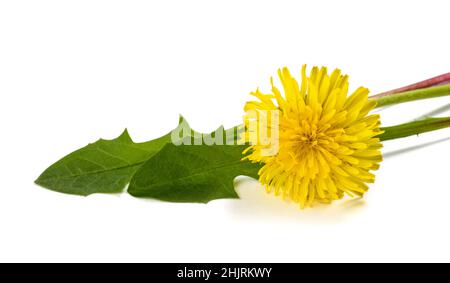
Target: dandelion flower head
{"points": [[327, 139]]}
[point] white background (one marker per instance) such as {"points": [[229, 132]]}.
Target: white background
{"points": [[74, 71]]}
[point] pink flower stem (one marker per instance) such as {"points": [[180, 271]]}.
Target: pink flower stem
{"points": [[436, 81]]}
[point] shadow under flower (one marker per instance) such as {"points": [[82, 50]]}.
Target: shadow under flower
{"points": [[256, 203]]}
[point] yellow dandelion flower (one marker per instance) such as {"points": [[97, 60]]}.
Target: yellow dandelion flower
{"points": [[327, 140]]}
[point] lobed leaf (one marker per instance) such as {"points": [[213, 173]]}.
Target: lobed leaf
{"points": [[105, 166], [198, 173]]}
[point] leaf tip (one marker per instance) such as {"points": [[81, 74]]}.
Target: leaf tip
{"points": [[181, 119], [125, 136], [37, 181]]}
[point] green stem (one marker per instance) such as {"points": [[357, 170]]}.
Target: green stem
{"points": [[414, 128], [413, 95]]}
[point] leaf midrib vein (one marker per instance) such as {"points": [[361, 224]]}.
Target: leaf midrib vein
{"points": [[93, 172]]}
